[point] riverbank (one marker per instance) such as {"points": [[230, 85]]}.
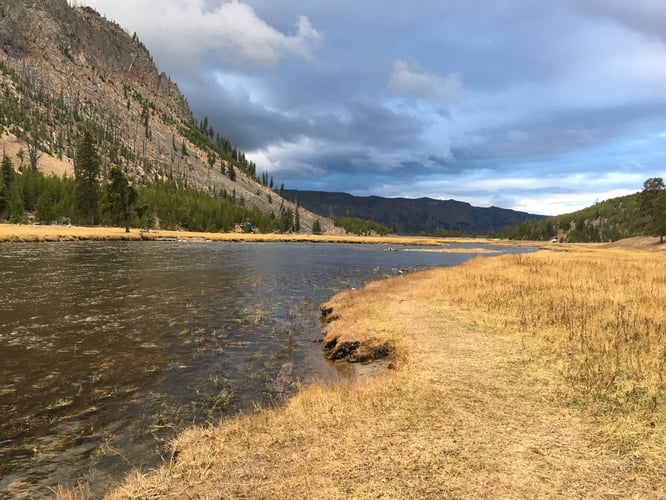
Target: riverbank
{"points": [[517, 376], [36, 233], [54, 233]]}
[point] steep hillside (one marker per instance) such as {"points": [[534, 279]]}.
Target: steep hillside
{"points": [[64, 69], [610, 220], [412, 216]]}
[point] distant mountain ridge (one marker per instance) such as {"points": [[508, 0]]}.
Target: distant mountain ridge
{"points": [[412, 216]]}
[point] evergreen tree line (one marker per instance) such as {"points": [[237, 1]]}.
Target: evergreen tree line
{"points": [[90, 199], [217, 148], [362, 227]]}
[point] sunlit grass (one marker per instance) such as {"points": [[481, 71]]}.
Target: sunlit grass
{"points": [[27, 233], [602, 313]]}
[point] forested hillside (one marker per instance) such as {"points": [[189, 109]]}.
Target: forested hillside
{"points": [[66, 71], [609, 220]]}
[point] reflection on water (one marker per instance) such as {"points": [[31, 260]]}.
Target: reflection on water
{"points": [[108, 349]]}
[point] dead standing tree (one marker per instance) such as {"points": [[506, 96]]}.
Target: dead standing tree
{"points": [[33, 150]]}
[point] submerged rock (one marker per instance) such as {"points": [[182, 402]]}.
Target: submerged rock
{"points": [[285, 378]]}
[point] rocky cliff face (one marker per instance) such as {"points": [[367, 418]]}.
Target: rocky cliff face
{"points": [[64, 68]]}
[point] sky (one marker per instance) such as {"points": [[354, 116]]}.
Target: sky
{"points": [[539, 106]]}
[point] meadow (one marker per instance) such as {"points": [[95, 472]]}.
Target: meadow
{"points": [[534, 375]]}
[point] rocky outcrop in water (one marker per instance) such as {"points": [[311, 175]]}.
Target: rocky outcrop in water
{"points": [[284, 379]]}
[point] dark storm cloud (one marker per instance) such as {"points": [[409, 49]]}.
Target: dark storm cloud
{"points": [[252, 125]]}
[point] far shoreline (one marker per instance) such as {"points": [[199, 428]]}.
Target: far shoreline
{"points": [[34, 233], [29, 233]]}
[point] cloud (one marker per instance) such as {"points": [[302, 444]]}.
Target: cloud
{"points": [[406, 78], [236, 108], [647, 17], [252, 125], [182, 32], [236, 32], [437, 100]]}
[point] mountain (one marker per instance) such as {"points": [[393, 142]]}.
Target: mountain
{"points": [[412, 216], [65, 69], [609, 220]]}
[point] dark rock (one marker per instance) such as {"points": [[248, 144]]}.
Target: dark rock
{"points": [[285, 378], [345, 350]]}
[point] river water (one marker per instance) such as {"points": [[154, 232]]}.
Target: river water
{"points": [[108, 349]]}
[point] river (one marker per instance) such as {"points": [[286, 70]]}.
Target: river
{"points": [[107, 349]]}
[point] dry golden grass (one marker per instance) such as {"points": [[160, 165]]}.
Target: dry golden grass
{"points": [[602, 310], [35, 233], [81, 492], [499, 390]]}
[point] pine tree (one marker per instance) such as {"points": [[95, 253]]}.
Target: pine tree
{"points": [[34, 155], [5, 184], [120, 197], [212, 158], [7, 170], [652, 202], [86, 172], [297, 221], [15, 202], [45, 207], [286, 220], [659, 214]]}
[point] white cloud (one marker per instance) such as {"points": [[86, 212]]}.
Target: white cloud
{"points": [[187, 30], [562, 203], [408, 79], [539, 194]]}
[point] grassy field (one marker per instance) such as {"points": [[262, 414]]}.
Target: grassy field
{"points": [[525, 376]]}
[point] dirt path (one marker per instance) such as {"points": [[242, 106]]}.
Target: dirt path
{"points": [[508, 435]]}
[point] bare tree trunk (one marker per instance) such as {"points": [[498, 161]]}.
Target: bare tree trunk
{"points": [[33, 153]]}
